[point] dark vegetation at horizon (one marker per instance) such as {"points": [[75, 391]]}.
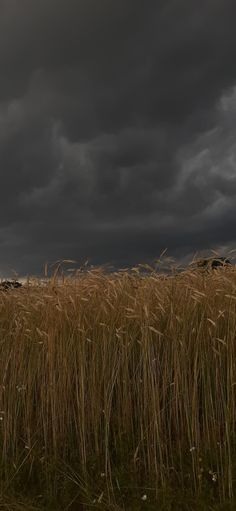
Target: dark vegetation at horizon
{"points": [[162, 265]]}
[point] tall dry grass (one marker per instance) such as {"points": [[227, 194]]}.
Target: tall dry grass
{"points": [[119, 381]]}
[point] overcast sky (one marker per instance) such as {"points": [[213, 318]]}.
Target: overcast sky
{"points": [[117, 130]]}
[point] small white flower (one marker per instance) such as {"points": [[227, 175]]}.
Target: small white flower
{"points": [[193, 448], [21, 387], [144, 497]]}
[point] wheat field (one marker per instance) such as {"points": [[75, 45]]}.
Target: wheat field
{"points": [[118, 391]]}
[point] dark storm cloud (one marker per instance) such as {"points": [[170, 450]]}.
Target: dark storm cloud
{"points": [[115, 141]]}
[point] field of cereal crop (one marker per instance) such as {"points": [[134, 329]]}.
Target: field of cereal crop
{"points": [[118, 391]]}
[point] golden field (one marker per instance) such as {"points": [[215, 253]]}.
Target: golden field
{"points": [[118, 391]]}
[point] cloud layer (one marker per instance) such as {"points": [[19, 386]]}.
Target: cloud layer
{"points": [[117, 130]]}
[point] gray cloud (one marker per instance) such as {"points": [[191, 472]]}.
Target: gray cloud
{"points": [[117, 130]]}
